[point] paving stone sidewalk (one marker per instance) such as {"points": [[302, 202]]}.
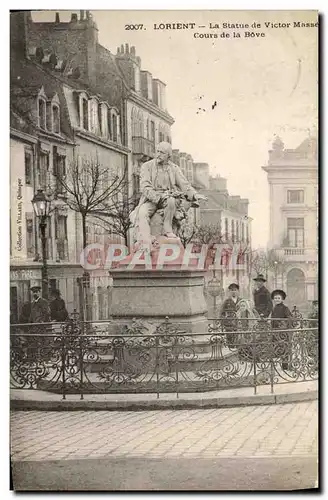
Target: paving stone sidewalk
{"points": [[252, 431]]}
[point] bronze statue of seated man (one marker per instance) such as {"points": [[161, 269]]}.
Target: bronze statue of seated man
{"points": [[163, 188]]}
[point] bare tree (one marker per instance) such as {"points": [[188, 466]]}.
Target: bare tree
{"points": [[187, 232], [114, 216], [88, 187], [262, 261], [208, 234]]}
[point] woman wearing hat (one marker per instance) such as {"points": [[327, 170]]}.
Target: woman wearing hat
{"points": [[262, 298], [281, 321]]}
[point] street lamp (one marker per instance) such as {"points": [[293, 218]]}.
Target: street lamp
{"points": [[41, 206]]}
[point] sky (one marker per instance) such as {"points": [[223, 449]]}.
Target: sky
{"points": [[263, 87]]}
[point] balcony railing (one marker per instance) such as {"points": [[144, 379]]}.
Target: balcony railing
{"points": [[82, 357], [143, 147], [294, 251]]}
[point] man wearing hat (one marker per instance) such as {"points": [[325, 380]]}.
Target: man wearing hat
{"points": [[262, 297], [228, 313], [40, 312]]}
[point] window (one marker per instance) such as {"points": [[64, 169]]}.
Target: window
{"points": [[28, 167], [55, 119], [59, 170], [94, 124], [152, 131], [247, 234], [233, 231], [103, 120], [226, 228], [242, 232], [30, 248], [42, 113], [237, 231], [85, 114], [295, 196], [295, 232], [42, 170], [114, 127], [61, 236]]}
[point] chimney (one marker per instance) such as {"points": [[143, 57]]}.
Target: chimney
{"points": [[127, 48], [57, 20], [18, 33], [218, 183], [122, 49], [74, 18], [133, 50], [81, 15]]}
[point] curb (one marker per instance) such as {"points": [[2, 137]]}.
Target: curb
{"points": [[160, 404]]}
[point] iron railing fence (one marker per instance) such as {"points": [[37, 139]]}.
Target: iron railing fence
{"points": [[79, 357]]}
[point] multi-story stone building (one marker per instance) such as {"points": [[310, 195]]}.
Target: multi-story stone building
{"points": [[293, 181], [56, 120], [135, 95], [230, 214], [224, 212]]}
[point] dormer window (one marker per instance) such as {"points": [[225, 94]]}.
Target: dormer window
{"points": [[103, 119], [114, 125], [83, 111], [94, 124], [55, 119], [42, 113], [85, 114]]}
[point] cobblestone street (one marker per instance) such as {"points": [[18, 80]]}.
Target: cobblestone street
{"points": [[258, 431]]}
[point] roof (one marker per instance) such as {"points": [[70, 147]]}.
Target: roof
{"points": [[26, 80]]}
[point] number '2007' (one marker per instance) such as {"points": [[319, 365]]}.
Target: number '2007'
{"points": [[133, 27]]}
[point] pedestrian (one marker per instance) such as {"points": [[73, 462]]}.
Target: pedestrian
{"points": [[312, 338], [40, 312], [314, 314], [247, 318], [58, 309], [228, 313], [262, 297], [281, 320]]}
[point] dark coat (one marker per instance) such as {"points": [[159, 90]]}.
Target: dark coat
{"points": [[280, 311], [58, 310], [229, 305], [40, 312], [262, 301], [25, 313], [229, 319]]}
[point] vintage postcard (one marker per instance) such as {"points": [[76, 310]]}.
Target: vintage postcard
{"points": [[164, 250]]}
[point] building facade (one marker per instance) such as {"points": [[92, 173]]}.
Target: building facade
{"points": [[56, 121], [293, 182]]}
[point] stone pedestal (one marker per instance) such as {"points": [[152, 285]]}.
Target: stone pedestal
{"points": [[154, 294]]}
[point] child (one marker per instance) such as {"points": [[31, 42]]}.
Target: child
{"points": [[280, 321], [280, 311]]}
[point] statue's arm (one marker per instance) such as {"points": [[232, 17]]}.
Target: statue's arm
{"points": [[146, 187], [184, 185]]}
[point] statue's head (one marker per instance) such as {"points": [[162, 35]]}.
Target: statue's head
{"points": [[163, 152]]}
